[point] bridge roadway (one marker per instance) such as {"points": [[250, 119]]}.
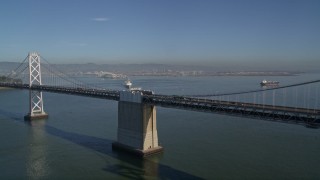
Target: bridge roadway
{"points": [[310, 117]]}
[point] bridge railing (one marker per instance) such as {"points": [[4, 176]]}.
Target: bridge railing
{"points": [[283, 113], [98, 93]]}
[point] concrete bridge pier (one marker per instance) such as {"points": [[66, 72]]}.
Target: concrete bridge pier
{"points": [[137, 130]]}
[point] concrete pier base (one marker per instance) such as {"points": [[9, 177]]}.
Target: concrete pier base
{"points": [[136, 152], [30, 117], [137, 129]]}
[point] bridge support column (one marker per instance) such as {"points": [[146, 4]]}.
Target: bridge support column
{"points": [[137, 130], [36, 103]]}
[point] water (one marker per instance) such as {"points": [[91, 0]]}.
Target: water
{"points": [[75, 142]]}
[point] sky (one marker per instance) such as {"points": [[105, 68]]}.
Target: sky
{"points": [[199, 32]]}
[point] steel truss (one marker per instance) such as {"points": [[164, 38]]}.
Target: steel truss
{"points": [[36, 101]]}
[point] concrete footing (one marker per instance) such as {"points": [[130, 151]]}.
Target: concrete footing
{"points": [[136, 152], [30, 117]]}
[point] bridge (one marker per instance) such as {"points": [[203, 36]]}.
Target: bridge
{"points": [[137, 132]]}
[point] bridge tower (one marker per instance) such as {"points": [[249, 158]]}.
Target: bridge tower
{"points": [[36, 102], [137, 130]]}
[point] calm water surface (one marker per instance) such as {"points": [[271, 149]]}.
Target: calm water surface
{"points": [[75, 142]]}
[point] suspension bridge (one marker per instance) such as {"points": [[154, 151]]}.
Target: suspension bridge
{"points": [[296, 103]]}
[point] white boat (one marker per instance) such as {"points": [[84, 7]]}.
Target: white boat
{"points": [[269, 83], [127, 84]]}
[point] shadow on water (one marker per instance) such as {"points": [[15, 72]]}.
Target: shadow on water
{"points": [[11, 115], [142, 167], [132, 167]]}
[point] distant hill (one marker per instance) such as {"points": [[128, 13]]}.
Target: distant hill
{"points": [[6, 67], [138, 69]]}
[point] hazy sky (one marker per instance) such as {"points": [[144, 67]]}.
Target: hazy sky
{"points": [[162, 31]]}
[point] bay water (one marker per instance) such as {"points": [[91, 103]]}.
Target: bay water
{"points": [[75, 141]]}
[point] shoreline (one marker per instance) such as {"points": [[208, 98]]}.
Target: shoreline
{"points": [[155, 75], [214, 74], [4, 88]]}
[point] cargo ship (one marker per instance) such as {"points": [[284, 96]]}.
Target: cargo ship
{"points": [[269, 83]]}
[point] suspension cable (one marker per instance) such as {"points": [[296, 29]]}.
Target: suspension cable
{"points": [[257, 90]]}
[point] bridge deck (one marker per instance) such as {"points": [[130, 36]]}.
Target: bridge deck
{"points": [[279, 113]]}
